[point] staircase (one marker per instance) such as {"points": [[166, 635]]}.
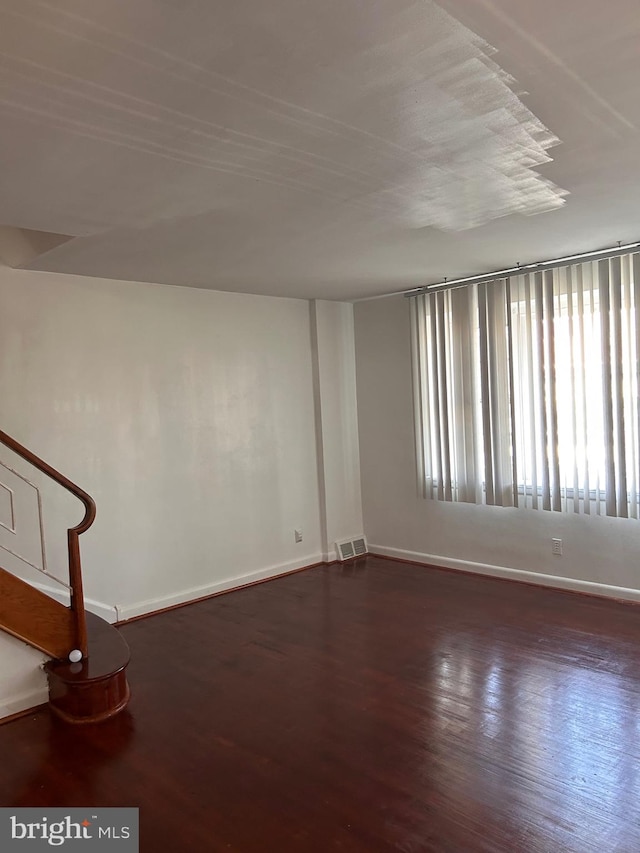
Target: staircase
{"points": [[88, 656]]}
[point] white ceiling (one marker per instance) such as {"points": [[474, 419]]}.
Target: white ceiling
{"points": [[336, 149]]}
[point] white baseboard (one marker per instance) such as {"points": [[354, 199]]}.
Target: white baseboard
{"points": [[107, 612], [22, 701], [122, 612], [555, 581], [129, 611]]}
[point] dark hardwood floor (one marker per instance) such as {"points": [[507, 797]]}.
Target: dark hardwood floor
{"points": [[378, 707]]}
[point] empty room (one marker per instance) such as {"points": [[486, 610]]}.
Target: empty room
{"points": [[320, 426]]}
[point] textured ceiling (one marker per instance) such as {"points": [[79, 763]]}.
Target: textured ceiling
{"points": [[335, 150]]}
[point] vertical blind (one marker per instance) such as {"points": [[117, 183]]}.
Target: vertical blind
{"points": [[527, 389]]}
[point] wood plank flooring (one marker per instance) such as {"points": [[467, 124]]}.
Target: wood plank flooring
{"points": [[378, 707]]}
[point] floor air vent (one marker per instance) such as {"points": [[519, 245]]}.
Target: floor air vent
{"points": [[350, 548]]}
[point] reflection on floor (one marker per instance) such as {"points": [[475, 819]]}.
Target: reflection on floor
{"points": [[374, 707]]}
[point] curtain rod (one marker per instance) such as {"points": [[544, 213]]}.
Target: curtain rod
{"points": [[600, 254]]}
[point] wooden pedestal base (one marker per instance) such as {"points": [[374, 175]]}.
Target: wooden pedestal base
{"points": [[96, 688]]}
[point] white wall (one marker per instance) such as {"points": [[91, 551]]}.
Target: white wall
{"points": [[22, 682], [187, 414], [503, 541], [336, 423]]}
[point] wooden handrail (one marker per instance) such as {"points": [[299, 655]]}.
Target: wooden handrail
{"points": [[75, 567]]}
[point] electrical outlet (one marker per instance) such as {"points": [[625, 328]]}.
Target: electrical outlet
{"points": [[298, 534], [556, 547]]}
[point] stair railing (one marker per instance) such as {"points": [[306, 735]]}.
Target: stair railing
{"points": [[73, 534]]}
